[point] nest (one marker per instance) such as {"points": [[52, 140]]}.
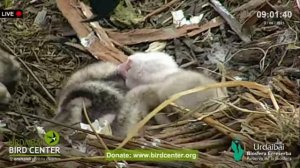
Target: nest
{"points": [[262, 112]]}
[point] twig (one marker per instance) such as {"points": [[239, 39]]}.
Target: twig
{"points": [[197, 137], [45, 101], [244, 49], [168, 125], [123, 47], [167, 5], [79, 47], [189, 64], [263, 68], [205, 144], [89, 122], [177, 132], [37, 80], [54, 122]]}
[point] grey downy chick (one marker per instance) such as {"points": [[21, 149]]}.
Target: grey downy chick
{"points": [[9, 77], [101, 89]]}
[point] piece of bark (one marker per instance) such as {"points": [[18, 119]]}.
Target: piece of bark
{"points": [[149, 35], [97, 47]]}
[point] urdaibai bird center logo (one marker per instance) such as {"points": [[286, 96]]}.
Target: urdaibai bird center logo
{"points": [[238, 150], [51, 138]]}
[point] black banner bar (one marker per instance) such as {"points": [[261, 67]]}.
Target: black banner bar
{"points": [[11, 13]]}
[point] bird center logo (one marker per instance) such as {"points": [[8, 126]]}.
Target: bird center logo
{"points": [[51, 138], [238, 150]]}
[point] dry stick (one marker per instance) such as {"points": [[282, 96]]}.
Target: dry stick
{"points": [[123, 47], [77, 46], [254, 85], [57, 123], [262, 61], [179, 131], [160, 9], [54, 161], [43, 99], [245, 49], [89, 122], [196, 137], [168, 125], [98, 137], [74, 128], [71, 127], [37, 80], [230, 132], [32, 74], [205, 144]]}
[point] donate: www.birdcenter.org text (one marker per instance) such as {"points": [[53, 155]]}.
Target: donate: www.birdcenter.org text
{"points": [[151, 155]]}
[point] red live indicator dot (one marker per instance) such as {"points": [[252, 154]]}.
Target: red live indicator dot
{"points": [[19, 13]]}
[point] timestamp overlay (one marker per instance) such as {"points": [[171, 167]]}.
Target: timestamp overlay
{"points": [[274, 17]]}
